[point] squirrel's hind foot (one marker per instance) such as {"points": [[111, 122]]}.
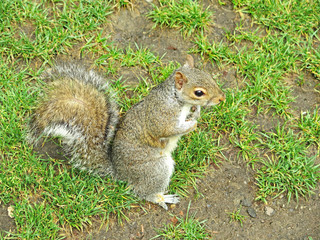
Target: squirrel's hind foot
{"points": [[161, 199]]}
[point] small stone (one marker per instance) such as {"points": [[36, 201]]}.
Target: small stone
{"points": [[236, 201], [270, 211], [245, 202], [252, 213], [173, 206]]}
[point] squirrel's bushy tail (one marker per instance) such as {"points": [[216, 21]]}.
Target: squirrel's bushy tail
{"points": [[78, 107]]}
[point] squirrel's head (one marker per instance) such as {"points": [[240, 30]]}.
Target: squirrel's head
{"points": [[197, 87]]}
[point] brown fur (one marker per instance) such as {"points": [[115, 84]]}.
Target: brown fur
{"points": [[76, 104]]}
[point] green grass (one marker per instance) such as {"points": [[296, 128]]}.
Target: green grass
{"points": [[184, 228], [264, 60], [189, 168], [42, 29], [293, 17], [309, 123], [35, 220], [289, 169], [187, 16], [235, 216], [49, 197]]}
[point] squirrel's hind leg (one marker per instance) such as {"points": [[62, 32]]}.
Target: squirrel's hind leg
{"points": [[162, 199]]}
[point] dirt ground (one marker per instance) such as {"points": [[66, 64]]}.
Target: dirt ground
{"points": [[223, 191], [225, 188]]}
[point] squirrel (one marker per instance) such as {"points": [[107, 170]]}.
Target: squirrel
{"points": [[79, 107]]}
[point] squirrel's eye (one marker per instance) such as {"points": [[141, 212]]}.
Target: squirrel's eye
{"points": [[199, 93]]}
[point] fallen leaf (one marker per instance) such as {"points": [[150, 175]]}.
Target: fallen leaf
{"points": [[174, 220]]}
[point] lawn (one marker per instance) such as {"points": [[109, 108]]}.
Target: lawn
{"points": [[282, 41]]}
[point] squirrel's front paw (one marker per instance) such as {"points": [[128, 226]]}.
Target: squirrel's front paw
{"points": [[195, 112]]}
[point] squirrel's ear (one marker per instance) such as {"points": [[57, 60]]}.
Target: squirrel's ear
{"points": [[180, 79], [190, 62]]}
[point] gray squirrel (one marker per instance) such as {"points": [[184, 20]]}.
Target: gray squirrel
{"points": [[79, 107]]}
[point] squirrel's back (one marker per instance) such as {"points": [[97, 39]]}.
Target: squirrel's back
{"points": [[77, 109]]}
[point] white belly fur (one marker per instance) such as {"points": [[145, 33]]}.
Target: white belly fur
{"points": [[173, 141]]}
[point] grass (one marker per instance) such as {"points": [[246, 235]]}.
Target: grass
{"points": [[40, 215], [187, 16], [264, 59], [49, 197], [235, 216], [293, 17], [309, 125], [289, 169], [40, 29], [184, 228]]}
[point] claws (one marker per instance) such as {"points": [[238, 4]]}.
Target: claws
{"points": [[162, 204], [163, 199], [171, 198]]}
